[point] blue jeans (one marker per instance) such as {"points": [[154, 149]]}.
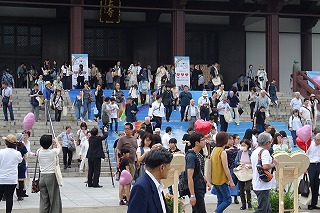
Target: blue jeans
{"points": [[79, 112], [5, 108], [116, 124], [224, 197], [87, 108], [294, 136]]}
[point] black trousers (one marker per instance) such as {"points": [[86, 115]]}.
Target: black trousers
{"points": [[223, 124], [7, 190], [80, 80], [57, 115], [204, 115], [200, 206], [94, 171], [93, 82], [314, 171], [183, 109], [66, 152], [158, 121], [99, 108], [143, 98], [245, 189], [168, 112]]}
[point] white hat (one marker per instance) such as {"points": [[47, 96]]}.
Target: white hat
{"points": [[157, 130], [205, 93]]}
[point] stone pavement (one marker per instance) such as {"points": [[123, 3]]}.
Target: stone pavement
{"points": [[77, 198]]}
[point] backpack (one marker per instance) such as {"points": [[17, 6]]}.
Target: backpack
{"points": [[264, 175], [144, 88]]}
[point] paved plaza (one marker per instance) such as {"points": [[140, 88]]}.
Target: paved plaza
{"points": [[77, 198]]}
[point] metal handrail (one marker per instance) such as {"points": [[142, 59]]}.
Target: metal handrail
{"points": [[48, 114]]}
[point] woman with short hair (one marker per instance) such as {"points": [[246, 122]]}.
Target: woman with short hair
{"points": [[9, 160], [50, 199], [67, 137]]}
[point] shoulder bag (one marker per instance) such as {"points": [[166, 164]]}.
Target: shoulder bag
{"points": [[57, 171], [71, 145], [264, 174], [243, 174], [35, 182]]}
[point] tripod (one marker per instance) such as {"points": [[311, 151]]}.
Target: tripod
{"points": [[109, 161]]}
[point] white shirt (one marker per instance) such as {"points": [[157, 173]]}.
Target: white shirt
{"points": [[30, 153], [157, 109], [165, 140], [133, 92], [296, 103], [193, 111], [202, 100], [295, 122], [224, 105], [113, 110], [257, 183], [254, 141], [84, 146], [46, 160], [65, 70], [159, 187], [306, 112], [220, 93], [9, 160], [314, 152]]}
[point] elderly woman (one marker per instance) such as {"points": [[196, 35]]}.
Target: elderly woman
{"points": [[50, 199], [67, 137], [9, 160]]}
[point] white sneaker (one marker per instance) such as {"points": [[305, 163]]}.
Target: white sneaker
{"points": [[238, 124], [90, 121]]}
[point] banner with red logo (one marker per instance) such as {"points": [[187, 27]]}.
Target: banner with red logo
{"points": [[78, 59], [182, 70]]}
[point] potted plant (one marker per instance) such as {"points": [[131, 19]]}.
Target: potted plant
{"points": [[274, 199], [170, 199]]}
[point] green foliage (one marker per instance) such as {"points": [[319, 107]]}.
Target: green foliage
{"points": [[170, 200], [274, 199]]}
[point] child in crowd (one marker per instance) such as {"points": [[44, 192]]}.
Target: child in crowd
{"points": [[58, 105], [133, 93], [124, 165], [173, 146], [114, 114], [294, 124]]}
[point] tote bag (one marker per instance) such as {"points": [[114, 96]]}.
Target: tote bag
{"points": [[57, 171], [243, 174], [227, 116]]}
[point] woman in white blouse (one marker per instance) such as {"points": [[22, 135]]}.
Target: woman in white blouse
{"points": [[279, 144], [142, 151], [50, 199]]}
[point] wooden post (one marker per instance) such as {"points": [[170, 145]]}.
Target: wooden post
{"points": [[296, 195], [175, 194], [281, 191]]}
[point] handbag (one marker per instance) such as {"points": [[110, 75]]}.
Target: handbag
{"points": [[57, 171], [304, 185], [35, 182], [91, 99], [227, 116], [216, 81], [183, 187], [240, 110], [243, 174], [71, 145]]}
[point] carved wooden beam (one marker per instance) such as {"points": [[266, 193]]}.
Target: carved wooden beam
{"points": [[180, 4]]}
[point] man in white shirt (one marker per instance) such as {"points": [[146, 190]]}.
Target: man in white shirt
{"points": [[314, 170], [191, 114], [166, 137], [261, 188], [157, 111], [220, 92], [296, 102], [204, 105], [143, 198], [305, 113]]}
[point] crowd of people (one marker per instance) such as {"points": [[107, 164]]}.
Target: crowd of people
{"points": [[144, 152]]}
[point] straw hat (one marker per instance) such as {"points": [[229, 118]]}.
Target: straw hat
{"points": [[205, 93], [10, 138]]}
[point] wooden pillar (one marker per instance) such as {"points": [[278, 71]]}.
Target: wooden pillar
{"points": [[178, 33], [76, 27], [272, 41], [306, 42]]}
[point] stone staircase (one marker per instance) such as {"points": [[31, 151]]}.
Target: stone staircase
{"points": [[21, 107], [280, 113]]}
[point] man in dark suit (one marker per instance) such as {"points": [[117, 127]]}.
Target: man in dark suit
{"points": [[147, 193], [94, 155]]}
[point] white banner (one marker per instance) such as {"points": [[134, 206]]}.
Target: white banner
{"points": [[78, 59], [182, 70]]}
